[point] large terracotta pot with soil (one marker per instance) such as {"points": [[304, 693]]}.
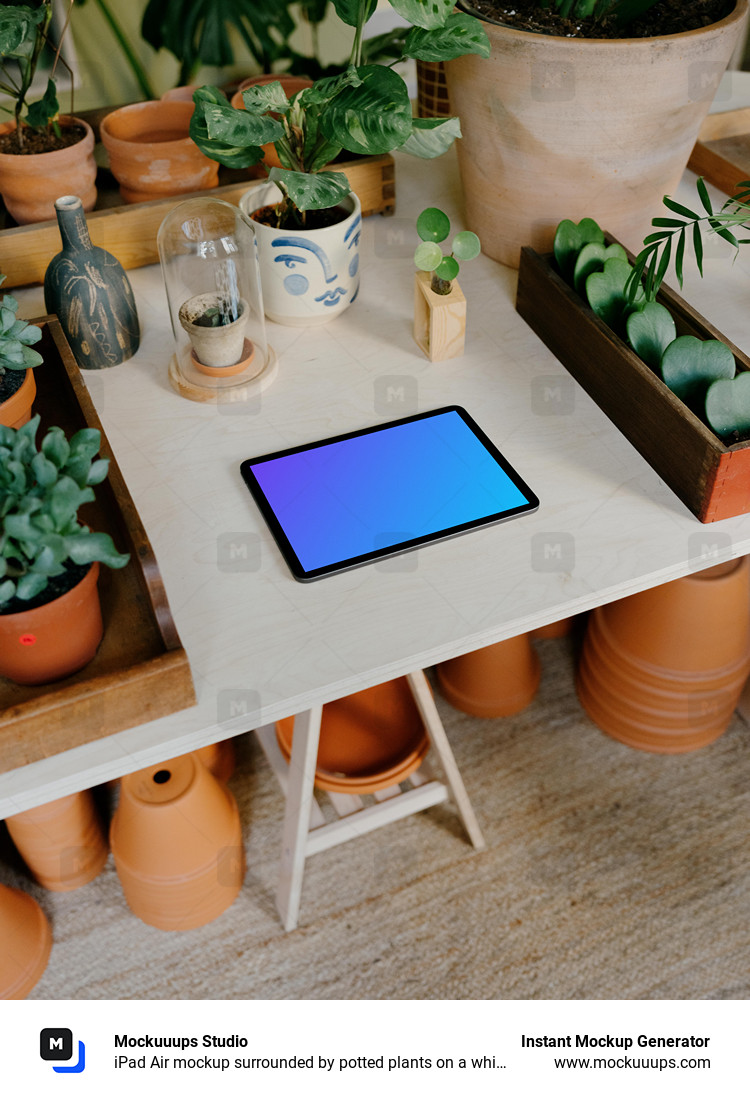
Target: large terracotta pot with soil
{"points": [[17, 393], [31, 182], [177, 843], [151, 153], [663, 670], [493, 682], [41, 644], [63, 842], [26, 942], [558, 128], [308, 276]]}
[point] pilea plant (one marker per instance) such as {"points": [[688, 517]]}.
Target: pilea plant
{"points": [[700, 372], [364, 109], [433, 227], [15, 337], [41, 491]]}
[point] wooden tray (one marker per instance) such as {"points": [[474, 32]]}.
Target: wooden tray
{"points": [[140, 671], [129, 231], [713, 480], [722, 152]]}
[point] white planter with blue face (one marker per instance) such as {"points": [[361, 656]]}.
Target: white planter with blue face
{"points": [[308, 276]]}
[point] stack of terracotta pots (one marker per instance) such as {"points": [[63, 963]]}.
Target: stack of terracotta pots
{"points": [[177, 843], [25, 943], [63, 842], [663, 670], [370, 740]]}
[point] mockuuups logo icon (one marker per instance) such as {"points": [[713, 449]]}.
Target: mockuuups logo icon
{"points": [[56, 1045]]}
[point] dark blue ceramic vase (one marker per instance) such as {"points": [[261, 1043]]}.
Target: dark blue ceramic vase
{"points": [[90, 293]]}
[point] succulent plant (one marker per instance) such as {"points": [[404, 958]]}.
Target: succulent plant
{"points": [[15, 337], [433, 227], [41, 491]]}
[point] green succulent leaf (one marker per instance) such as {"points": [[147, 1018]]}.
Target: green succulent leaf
{"points": [[433, 225], [607, 294], [312, 191], [460, 34], [593, 257], [650, 331], [44, 471], [728, 404], [55, 447], [431, 137], [30, 585], [373, 118], [690, 365], [424, 13], [85, 443], [570, 239], [466, 245], [64, 500], [428, 256], [98, 471], [88, 547]]}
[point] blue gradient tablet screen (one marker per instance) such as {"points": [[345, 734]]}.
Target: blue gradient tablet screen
{"points": [[364, 496]]}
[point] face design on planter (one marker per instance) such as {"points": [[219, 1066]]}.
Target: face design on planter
{"points": [[310, 269]]}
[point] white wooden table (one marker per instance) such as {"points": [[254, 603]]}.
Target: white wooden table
{"points": [[261, 645]]}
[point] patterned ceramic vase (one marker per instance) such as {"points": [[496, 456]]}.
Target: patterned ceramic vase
{"points": [[309, 276], [89, 291]]}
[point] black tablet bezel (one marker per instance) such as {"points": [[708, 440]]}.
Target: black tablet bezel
{"points": [[287, 551]]}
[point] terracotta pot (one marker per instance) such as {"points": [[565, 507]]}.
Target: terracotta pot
{"points": [[183, 94], [177, 844], [493, 682], [219, 758], [290, 84], [370, 740], [63, 842], [29, 184], [664, 669], [308, 276], [26, 943], [17, 409], [559, 128], [151, 153], [560, 629], [54, 640]]}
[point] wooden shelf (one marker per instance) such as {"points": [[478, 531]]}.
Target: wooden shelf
{"points": [[140, 671]]}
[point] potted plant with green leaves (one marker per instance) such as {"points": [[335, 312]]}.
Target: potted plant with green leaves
{"points": [[439, 302], [50, 615], [42, 154], [584, 108], [17, 360], [365, 109]]}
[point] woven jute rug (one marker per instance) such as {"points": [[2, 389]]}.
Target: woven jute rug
{"points": [[609, 873]]}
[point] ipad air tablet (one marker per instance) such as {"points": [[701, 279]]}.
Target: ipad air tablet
{"points": [[370, 494]]}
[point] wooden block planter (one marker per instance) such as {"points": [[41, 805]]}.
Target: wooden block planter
{"points": [[129, 230], [140, 671], [712, 479], [722, 151]]}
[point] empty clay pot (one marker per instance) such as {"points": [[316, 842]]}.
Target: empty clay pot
{"points": [[54, 640], [16, 409], [26, 941], [30, 183], [219, 758], [663, 670], [177, 844], [151, 153], [560, 629], [370, 740], [63, 842], [493, 682]]}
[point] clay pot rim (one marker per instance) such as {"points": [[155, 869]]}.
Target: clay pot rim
{"points": [[350, 201], [563, 43], [248, 354], [148, 108], [12, 408], [85, 144], [89, 579]]}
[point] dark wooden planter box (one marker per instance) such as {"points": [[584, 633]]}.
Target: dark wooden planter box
{"points": [[712, 479]]}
